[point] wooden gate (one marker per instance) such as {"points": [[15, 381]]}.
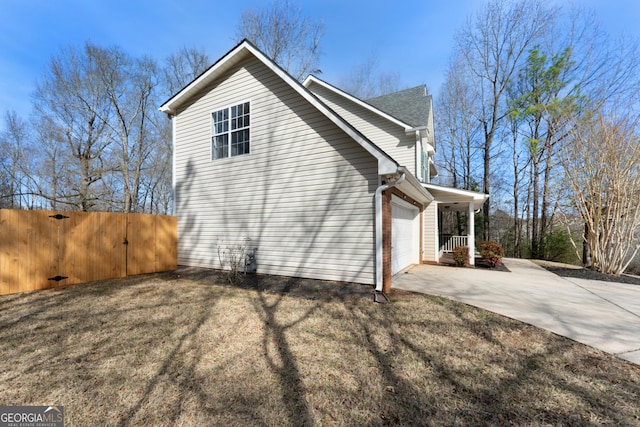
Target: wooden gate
{"points": [[44, 249]]}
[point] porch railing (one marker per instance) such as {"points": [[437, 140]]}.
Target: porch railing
{"points": [[447, 243]]}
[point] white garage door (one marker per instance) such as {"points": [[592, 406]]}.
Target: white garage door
{"points": [[405, 234]]}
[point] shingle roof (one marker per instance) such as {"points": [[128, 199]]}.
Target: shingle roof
{"points": [[410, 105]]}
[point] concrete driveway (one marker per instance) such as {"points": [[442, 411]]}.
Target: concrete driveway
{"points": [[600, 314]]}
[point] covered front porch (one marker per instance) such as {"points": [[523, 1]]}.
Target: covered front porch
{"points": [[448, 202]]}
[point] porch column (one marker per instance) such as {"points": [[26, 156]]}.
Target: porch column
{"points": [[472, 233]]}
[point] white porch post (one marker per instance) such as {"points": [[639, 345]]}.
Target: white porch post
{"points": [[436, 238], [472, 233]]}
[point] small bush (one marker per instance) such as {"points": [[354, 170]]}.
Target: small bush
{"points": [[233, 258], [556, 246], [461, 255], [491, 252]]}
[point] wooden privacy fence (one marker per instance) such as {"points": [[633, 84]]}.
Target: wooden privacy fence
{"points": [[44, 249]]}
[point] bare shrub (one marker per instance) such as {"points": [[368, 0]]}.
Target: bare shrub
{"points": [[461, 255], [233, 258]]}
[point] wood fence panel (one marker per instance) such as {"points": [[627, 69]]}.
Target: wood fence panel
{"points": [[166, 243], [93, 247], [10, 238], [141, 234], [83, 246], [45, 257], [28, 250]]}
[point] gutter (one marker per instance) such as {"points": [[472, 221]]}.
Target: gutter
{"points": [[378, 219], [173, 165]]}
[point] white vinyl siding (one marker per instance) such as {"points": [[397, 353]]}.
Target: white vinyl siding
{"points": [[430, 242], [304, 197], [388, 136]]}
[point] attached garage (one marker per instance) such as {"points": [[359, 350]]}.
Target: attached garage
{"points": [[405, 234]]}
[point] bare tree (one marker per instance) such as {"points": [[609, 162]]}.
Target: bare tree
{"points": [[71, 95], [52, 160], [129, 84], [492, 46], [572, 69], [285, 35], [602, 169], [458, 130], [180, 68], [366, 81], [6, 192], [100, 132], [15, 161], [183, 67]]}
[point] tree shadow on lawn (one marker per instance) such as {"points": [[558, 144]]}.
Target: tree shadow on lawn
{"points": [[278, 354], [188, 348], [494, 371], [489, 370], [132, 352]]}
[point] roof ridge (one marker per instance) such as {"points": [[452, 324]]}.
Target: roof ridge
{"points": [[426, 93]]}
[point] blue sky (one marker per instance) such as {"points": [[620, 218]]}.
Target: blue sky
{"points": [[412, 37]]}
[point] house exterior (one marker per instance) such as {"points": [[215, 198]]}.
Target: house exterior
{"points": [[314, 182]]}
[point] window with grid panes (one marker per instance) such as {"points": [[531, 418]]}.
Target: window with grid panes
{"points": [[230, 131]]}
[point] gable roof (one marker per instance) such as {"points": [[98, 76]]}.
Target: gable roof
{"points": [[244, 50], [315, 80], [411, 105]]}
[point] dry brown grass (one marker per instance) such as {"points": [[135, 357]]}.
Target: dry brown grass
{"points": [[183, 348]]}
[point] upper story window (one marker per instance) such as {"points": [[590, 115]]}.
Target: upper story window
{"points": [[230, 132]]}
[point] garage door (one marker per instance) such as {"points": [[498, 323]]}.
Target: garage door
{"points": [[405, 234]]}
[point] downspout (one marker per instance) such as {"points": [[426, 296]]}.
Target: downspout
{"points": [[173, 164], [378, 219], [418, 157]]}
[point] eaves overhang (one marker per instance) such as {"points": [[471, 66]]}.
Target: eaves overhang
{"points": [[455, 199], [414, 188]]}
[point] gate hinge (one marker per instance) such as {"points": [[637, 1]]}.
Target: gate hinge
{"points": [[58, 216], [58, 278]]}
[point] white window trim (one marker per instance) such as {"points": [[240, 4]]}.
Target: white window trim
{"points": [[211, 131]]}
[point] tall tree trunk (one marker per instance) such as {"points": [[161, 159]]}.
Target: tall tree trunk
{"points": [[586, 248], [486, 181], [535, 210], [516, 196], [544, 210]]}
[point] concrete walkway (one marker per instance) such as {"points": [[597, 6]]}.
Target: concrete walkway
{"points": [[600, 314]]}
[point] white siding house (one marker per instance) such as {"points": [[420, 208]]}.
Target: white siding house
{"points": [[305, 175]]}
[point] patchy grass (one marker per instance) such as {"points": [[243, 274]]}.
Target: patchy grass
{"points": [[184, 348]]}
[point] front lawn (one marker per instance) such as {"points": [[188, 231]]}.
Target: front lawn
{"points": [[185, 348]]}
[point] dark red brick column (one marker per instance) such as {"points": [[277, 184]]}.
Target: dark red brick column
{"points": [[386, 241]]}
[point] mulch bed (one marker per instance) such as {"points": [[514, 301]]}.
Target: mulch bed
{"points": [[561, 270], [310, 289], [481, 263], [584, 273]]}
